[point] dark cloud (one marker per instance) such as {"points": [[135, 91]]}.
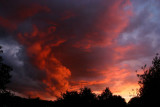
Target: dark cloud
{"points": [[55, 45], [24, 75]]}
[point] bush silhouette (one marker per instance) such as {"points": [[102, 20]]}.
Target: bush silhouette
{"points": [[135, 102], [4, 74]]}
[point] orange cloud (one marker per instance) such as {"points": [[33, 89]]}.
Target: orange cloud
{"points": [[74, 45], [39, 50]]}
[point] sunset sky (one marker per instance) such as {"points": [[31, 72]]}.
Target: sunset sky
{"points": [[59, 45]]}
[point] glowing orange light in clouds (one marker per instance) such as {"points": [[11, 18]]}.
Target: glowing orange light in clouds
{"points": [[123, 84], [40, 52], [40, 44]]}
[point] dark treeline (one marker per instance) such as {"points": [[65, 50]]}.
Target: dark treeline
{"points": [[73, 98], [148, 95], [86, 97]]}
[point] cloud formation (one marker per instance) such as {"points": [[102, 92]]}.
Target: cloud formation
{"points": [[61, 45]]}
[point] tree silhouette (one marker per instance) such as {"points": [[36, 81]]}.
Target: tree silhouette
{"points": [[149, 82], [4, 74], [73, 98], [70, 98], [106, 94], [87, 96], [110, 100]]}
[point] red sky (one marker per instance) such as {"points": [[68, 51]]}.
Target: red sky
{"points": [[61, 45]]}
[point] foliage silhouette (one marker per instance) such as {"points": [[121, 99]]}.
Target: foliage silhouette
{"points": [[105, 95], [149, 82], [135, 102], [86, 98], [4, 74], [110, 100], [74, 98]]}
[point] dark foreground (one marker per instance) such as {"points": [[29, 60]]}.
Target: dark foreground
{"points": [[9, 100], [69, 99]]}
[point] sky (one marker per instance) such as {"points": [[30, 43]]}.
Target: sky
{"points": [[59, 45]]}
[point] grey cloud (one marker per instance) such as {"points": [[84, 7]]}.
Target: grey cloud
{"points": [[143, 29], [24, 75]]}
